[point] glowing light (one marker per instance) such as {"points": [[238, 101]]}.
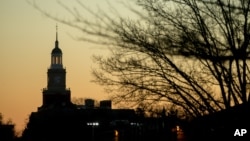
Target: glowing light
{"points": [[116, 133], [93, 123], [177, 128]]}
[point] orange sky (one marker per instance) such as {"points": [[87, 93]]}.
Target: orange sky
{"points": [[26, 40]]}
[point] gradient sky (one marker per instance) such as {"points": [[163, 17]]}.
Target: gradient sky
{"points": [[26, 40]]}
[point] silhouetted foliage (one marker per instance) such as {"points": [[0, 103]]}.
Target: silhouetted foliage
{"points": [[188, 53], [7, 130]]}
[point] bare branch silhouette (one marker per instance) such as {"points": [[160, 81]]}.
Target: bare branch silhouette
{"points": [[193, 54]]}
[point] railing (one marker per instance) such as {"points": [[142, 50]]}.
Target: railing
{"points": [[45, 89]]}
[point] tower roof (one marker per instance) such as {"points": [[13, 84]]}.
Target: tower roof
{"points": [[56, 50]]}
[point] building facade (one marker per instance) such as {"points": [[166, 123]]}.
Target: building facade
{"points": [[59, 119], [56, 94]]}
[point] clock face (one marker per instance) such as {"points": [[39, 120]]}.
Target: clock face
{"points": [[57, 79]]}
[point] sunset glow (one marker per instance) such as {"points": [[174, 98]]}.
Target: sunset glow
{"points": [[26, 40]]}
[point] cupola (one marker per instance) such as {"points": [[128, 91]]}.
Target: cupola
{"points": [[56, 55]]}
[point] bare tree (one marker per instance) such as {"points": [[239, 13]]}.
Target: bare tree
{"points": [[192, 54], [1, 118], [78, 100]]}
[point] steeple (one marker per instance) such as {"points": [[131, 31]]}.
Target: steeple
{"points": [[56, 42], [56, 54], [56, 92], [56, 32]]}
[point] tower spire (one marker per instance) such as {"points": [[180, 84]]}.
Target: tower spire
{"points": [[56, 43], [56, 33]]}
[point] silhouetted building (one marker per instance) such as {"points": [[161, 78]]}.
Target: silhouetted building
{"points": [[58, 119], [56, 94], [106, 104], [89, 103]]}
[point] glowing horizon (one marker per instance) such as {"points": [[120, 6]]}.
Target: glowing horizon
{"points": [[26, 40]]}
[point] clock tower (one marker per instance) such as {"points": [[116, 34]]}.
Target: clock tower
{"points": [[56, 94]]}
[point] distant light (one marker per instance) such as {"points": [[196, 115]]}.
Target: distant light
{"points": [[177, 128], [93, 123], [116, 133], [135, 124]]}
